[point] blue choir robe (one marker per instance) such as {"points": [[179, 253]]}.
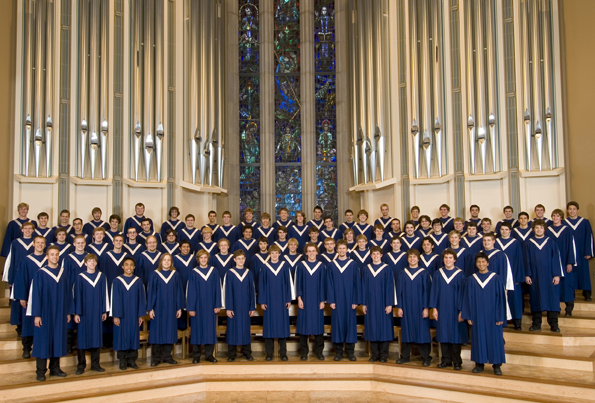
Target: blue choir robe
{"points": [[176, 225], [51, 300], [484, 303], [192, 235], [475, 220], [583, 235], [270, 233], [275, 289], [13, 232], [229, 232], [431, 262], [280, 223], [282, 245], [91, 301], [326, 257], [300, 233], [334, 233], [19, 249], [415, 223], [239, 297], [256, 265], [252, 224], [344, 290], [134, 250], [384, 244], [464, 261], [513, 222], [171, 248], [397, 261], [74, 265], [447, 297], [292, 261], [384, 222], [351, 246], [250, 248], [165, 296], [378, 292], [522, 235], [422, 233], [22, 286], [142, 237], [134, 222], [44, 232], [147, 263], [500, 265], [441, 242], [110, 235], [314, 223], [473, 245], [310, 285], [365, 229], [98, 249], [213, 227], [410, 242], [184, 265], [111, 265], [542, 264], [222, 263], [210, 247], [391, 234], [69, 230], [345, 226], [413, 296], [548, 222], [72, 235], [65, 250], [514, 252], [128, 303], [361, 258], [562, 235], [448, 224], [203, 296], [90, 226]]}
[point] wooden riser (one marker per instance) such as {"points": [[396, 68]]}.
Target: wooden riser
{"points": [[580, 305], [545, 362], [563, 321]]}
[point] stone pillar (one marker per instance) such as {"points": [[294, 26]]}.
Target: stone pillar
{"points": [[308, 113], [267, 108]]}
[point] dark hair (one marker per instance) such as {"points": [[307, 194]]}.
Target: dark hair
{"points": [[413, 252], [482, 255], [540, 223], [430, 240], [507, 225], [523, 213], [572, 203], [171, 231], [129, 258], [263, 239], [449, 251], [115, 217], [474, 205], [437, 221], [376, 249], [173, 208]]}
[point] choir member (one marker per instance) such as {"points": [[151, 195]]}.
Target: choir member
{"points": [[299, 230], [349, 237], [173, 223], [447, 222], [60, 241], [499, 262], [14, 228], [133, 246], [349, 223], [561, 234], [264, 229], [361, 255], [385, 220], [380, 239], [110, 263], [329, 253], [514, 252], [317, 220], [411, 240], [114, 224], [429, 259], [461, 227], [42, 228], [184, 262], [395, 228], [212, 224], [440, 238], [207, 242], [259, 259], [171, 244], [283, 220], [227, 230], [313, 233], [223, 261], [190, 233], [463, 257], [425, 226], [135, 221], [415, 212], [98, 247], [329, 231], [147, 231], [148, 261], [395, 259], [77, 230], [248, 244], [523, 231], [249, 219], [486, 226], [474, 210], [473, 242], [292, 257], [585, 249], [540, 215], [362, 227], [96, 222], [281, 241], [508, 217]]}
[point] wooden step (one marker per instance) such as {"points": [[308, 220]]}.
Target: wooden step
{"points": [[568, 336], [580, 305], [581, 319]]}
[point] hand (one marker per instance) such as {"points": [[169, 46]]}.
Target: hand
{"points": [[322, 305], [365, 309], [528, 280], [67, 318], [333, 306], [230, 314], [178, 313], [38, 321], [24, 303], [556, 280], [353, 306], [388, 309], [568, 268], [117, 322], [588, 257], [103, 317], [77, 319], [192, 313], [400, 312], [217, 310], [499, 323], [425, 313], [470, 322], [252, 313], [140, 321], [460, 317], [152, 314], [300, 303], [287, 305], [263, 306], [435, 314]]}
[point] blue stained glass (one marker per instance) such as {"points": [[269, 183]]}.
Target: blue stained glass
{"points": [[250, 189], [324, 35], [326, 119], [326, 190], [249, 40], [288, 188]]}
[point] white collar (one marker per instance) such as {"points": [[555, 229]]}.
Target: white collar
{"points": [[242, 277], [275, 272], [294, 261], [328, 259], [446, 278], [93, 283], [469, 244], [524, 237], [172, 250], [166, 280], [395, 261], [262, 231], [56, 278], [341, 268], [409, 244], [205, 246], [205, 277], [281, 247], [172, 226], [27, 247], [243, 241], [261, 259], [193, 233], [375, 273], [186, 262], [412, 276], [128, 286], [98, 252], [116, 262], [505, 246], [152, 260], [37, 262], [79, 262], [540, 246], [224, 262], [484, 283], [575, 226], [428, 262], [313, 270], [232, 227], [438, 242], [132, 251], [360, 258], [557, 234]]}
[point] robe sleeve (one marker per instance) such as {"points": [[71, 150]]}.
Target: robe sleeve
{"points": [[192, 292], [389, 284], [322, 283], [435, 291], [179, 292], [290, 286], [7, 263], [557, 267], [262, 287], [399, 287], [151, 293], [500, 301], [217, 303], [35, 302], [299, 279], [21, 282], [227, 293], [357, 284], [330, 290], [117, 308], [527, 259], [78, 293], [427, 288], [589, 247], [508, 270], [364, 289], [142, 300], [469, 299], [251, 293], [106, 301]]}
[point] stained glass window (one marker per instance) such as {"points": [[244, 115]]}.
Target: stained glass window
{"points": [[249, 90], [288, 182], [326, 114]]}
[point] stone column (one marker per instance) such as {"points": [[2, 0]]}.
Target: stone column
{"points": [[308, 115], [267, 108]]}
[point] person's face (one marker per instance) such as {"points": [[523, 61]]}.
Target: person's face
{"points": [[263, 246], [224, 247], [311, 253], [241, 259], [539, 231], [459, 226], [118, 242], [128, 268], [379, 233], [486, 226], [328, 223], [98, 236], [43, 221], [97, 215], [342, 250], [283, 214], [395, 226], [384, 211], [132, 234], [61, 237], [27, 231], [79, 244], [415, 214], [409, 229], [508, 214], [248, 215], [488, 243], [523, 220], [78, 225], [282, 235], [572, 211], [212, 218], [396, 245], [247, 234], [413, 260], [113, 224], [474, 212], [329, 246], [317, 214], [203, 260], [539, 212], [427, 247], [454, 240], [300, 219], [472, 231], [206, 236], [190, 222], [482, 265], [437, 228], [146, 226], [174, 214], [449, 260], [23, 211], [425, 224], [91, 265], [151, 244], [185, 249], [292, 247], [349, 217], [556, 219], [171, 237], [314, 236], [376, 257], [361, 243], [64, 218], [226, 219], [166, 262], [53, 256], [443, 211], [265, 222], [362, 218], [504, 232], [349, 237], [139, 210], [39, 245]]}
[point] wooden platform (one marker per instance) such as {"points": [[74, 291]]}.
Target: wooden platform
{"points": [[541, 366]]}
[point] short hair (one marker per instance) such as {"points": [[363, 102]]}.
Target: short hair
{"points": [[376, 249], [189, 216], [283, 209], [328, 217], [223, 240], [471, 224], [42, 214], [446, 206], [348, 211], [171, 231], [226, 213], [413, 252], [312, 229], [395, 238], [131, 229], [52, 247], [145, 220], [347, 231], [429, 239], [129, 258], [247, 227], [206, 228], [558, 212], [28, 224], [211, 212], [449, 251], [119, 236], [506, 225], [274, 248], [60, 230], [395, 219], [115, 217], [173, 208], [329, 239], [458, 219], [21, 205], [239, 252], [149, 237], [202, 252], [508, 208], [64, 212], [282, 228], [139, 205], [40, 237], [80, 236], [410, 222], [90, 256], [486, 219], [300, 213], [474, 205], [523, 213], [454, 232], [489, 235], [265, 215], [362, 211], [249, 210], [481, 255], [318, 208], [572, 203], [342, 242], [378, 226], [311, 245], [539, 206], [540, 223], [98, 229], [293, 241], [437, 221], [415, 208], [263, 239], [425, 218], [96, 210], [77, 219], [361, 237], [185, 242], [383, 205]]}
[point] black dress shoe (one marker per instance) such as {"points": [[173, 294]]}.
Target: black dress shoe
{"points": [[171, 361], [304, 358], [458, 367], [79, 371], [477, 369], [41, 378], [320, 357], [249, 357], [26, 354], [518, 328], [98, 369], [69, 350], [133, 365], [195, 360], [338, 357], [373, 359], [555, 329], [403, 360], [351, 357], [58, 372], [568, 313], [231, 359], [154, 364], [383, 359], [534, 328], [269, 358], [123, 366], [588, 299], [497, 370], [284, 358], [443, 365], [211, 359], [426, 363]]}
